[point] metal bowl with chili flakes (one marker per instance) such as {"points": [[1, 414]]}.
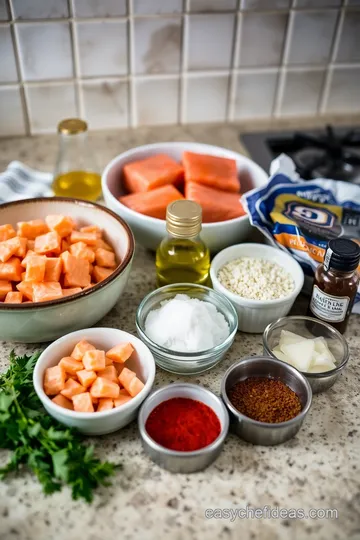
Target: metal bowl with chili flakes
{"points": [[265, 433]]}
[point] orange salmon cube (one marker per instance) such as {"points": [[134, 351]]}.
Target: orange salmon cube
{"points": [[94, 360], [54, 380], [125, 378], [64, 245], [82, 251], [32, 229], [152, 172], [72, 388], [88, 238], [76, 271], [48, 243], [23, 274], [63, 225], [108, 361], [43, 292], [83, 403], [30, 253], [121, 400], [35, 268], [5, 288], [12, 297], [7, 231], [152, 203], [21, 251], [103, 388], [86, 377], [11, 270], [102, 244], [213, 171], [95, 400], [26, 288], [105, 258], [105, 404], [100, 273], [109, 373], [81, 348], [31, 244], [63, 402], [71, 365], [135, 386], [8, 248], [69, 292], [120, 353], [92, 229], [53, 267]]}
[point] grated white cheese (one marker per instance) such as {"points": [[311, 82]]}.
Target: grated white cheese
{"points": [[256, 279]]}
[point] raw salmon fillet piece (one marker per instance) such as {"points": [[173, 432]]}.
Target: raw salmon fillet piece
{"points": [[152, 203], [216, 205], [152, 173], [217, 172]]}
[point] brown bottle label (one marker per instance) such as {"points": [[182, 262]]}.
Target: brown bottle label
{"points": [[328, 307]]}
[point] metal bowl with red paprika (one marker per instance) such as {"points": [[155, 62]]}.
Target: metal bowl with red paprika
{"points": [[183, 427]]}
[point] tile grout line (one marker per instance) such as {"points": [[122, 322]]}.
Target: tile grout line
{"points": [[133, 116], [183, 82], [280, 84], [233, 74], [76, 62]]}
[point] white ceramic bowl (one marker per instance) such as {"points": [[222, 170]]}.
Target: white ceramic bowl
{"points": [[142, 362], [150, 231], [255, 315], [46, 321]]}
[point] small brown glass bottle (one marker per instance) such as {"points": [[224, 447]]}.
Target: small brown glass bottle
{"points": [[335, 283]]}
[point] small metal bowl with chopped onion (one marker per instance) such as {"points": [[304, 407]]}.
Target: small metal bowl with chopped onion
{"points": [[255, 313], [186, 363], [296, 327]]}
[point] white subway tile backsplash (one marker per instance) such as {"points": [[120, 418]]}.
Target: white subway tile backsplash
{"points": [[48, 104], [99, 8], [156, 7], [316, 3], [156, 101], [105, 103], [210, 41], [265, 4], [40, 9], [262, 37], [11, 112], [157, 44], [302, 91], [8, 71], [255, 94], [344, 94], [212, 5], [349, 46], [4, 15], [102, 48], [44, 50], [205, 98], [312, 37]]}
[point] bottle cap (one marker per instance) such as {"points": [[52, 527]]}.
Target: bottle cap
{"points": [[72, 126], [342, 254], [183, 218]]}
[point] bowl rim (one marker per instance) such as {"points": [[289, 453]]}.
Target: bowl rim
{"points": [[250, 302], [174, 144], [183, 354], [267, 425], [178, 453], [321, 374], [118, 270], [136, 400]]}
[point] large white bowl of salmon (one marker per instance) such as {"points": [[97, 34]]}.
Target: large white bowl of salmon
{"points": [[140, 183], [64, 263]]}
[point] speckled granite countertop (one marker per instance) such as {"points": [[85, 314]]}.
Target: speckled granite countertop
{"points": [[319, 468]]}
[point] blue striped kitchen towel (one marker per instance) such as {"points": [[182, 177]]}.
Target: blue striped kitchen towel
{"points": [[21, 182]]}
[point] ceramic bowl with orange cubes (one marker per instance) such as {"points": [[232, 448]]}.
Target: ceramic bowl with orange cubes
{"points": [[94, 379]]}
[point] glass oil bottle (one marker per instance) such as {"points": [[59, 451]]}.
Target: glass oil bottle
{"points": [[76, 173], [182, 257]]}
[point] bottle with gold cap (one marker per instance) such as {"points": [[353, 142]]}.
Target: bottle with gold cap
{"points": [[182, 257], [76, 173]]}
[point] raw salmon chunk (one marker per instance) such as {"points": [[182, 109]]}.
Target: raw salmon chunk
{"points": [[72, 388], [103, 388], [13, 297], [217, 172], [99, 273], [73, 290], [121, 400], [82, 251], [26, 288], [125, 377], [53, 267], [92, 229], [81, 348], [54, 380], [135, 386], [102, 244], [63, 402], [11, 270], [30, 253], [76, 271], [43, 292], [88, 238], [151, 173], [6, 231], [71, 365], [35, 268], [152, 203], [83, 402], [48, 243], [94, 360], [86, 377], [32, 229], [105, 258], [109, 373], [105, 404], [5, 288], [120, 353], [9, 248], [216, 205], [63, 225]]}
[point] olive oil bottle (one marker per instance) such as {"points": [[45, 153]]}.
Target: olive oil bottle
{"points": [[182, 257]]}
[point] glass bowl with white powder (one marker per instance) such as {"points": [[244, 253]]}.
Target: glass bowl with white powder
{"points": [[187, 327]]}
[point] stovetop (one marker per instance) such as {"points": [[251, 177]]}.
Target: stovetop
{"points": [[328, 153]]}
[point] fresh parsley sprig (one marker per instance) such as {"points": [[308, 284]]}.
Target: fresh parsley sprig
{"points": [[54, 453]]}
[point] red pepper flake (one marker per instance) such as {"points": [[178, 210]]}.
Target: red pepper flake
{"points": [[183, 424]]}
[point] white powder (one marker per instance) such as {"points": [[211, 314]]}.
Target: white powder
{"points": [[186, 324]]}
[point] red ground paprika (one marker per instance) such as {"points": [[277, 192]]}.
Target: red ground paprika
{"points": [[183, 424]]}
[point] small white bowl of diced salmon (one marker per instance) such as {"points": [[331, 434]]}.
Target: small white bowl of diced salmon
{"points": [[95, 379]]}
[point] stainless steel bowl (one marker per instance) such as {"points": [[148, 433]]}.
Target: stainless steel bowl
{"points": [[260, 432], [175, 461], [310, 327]]}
